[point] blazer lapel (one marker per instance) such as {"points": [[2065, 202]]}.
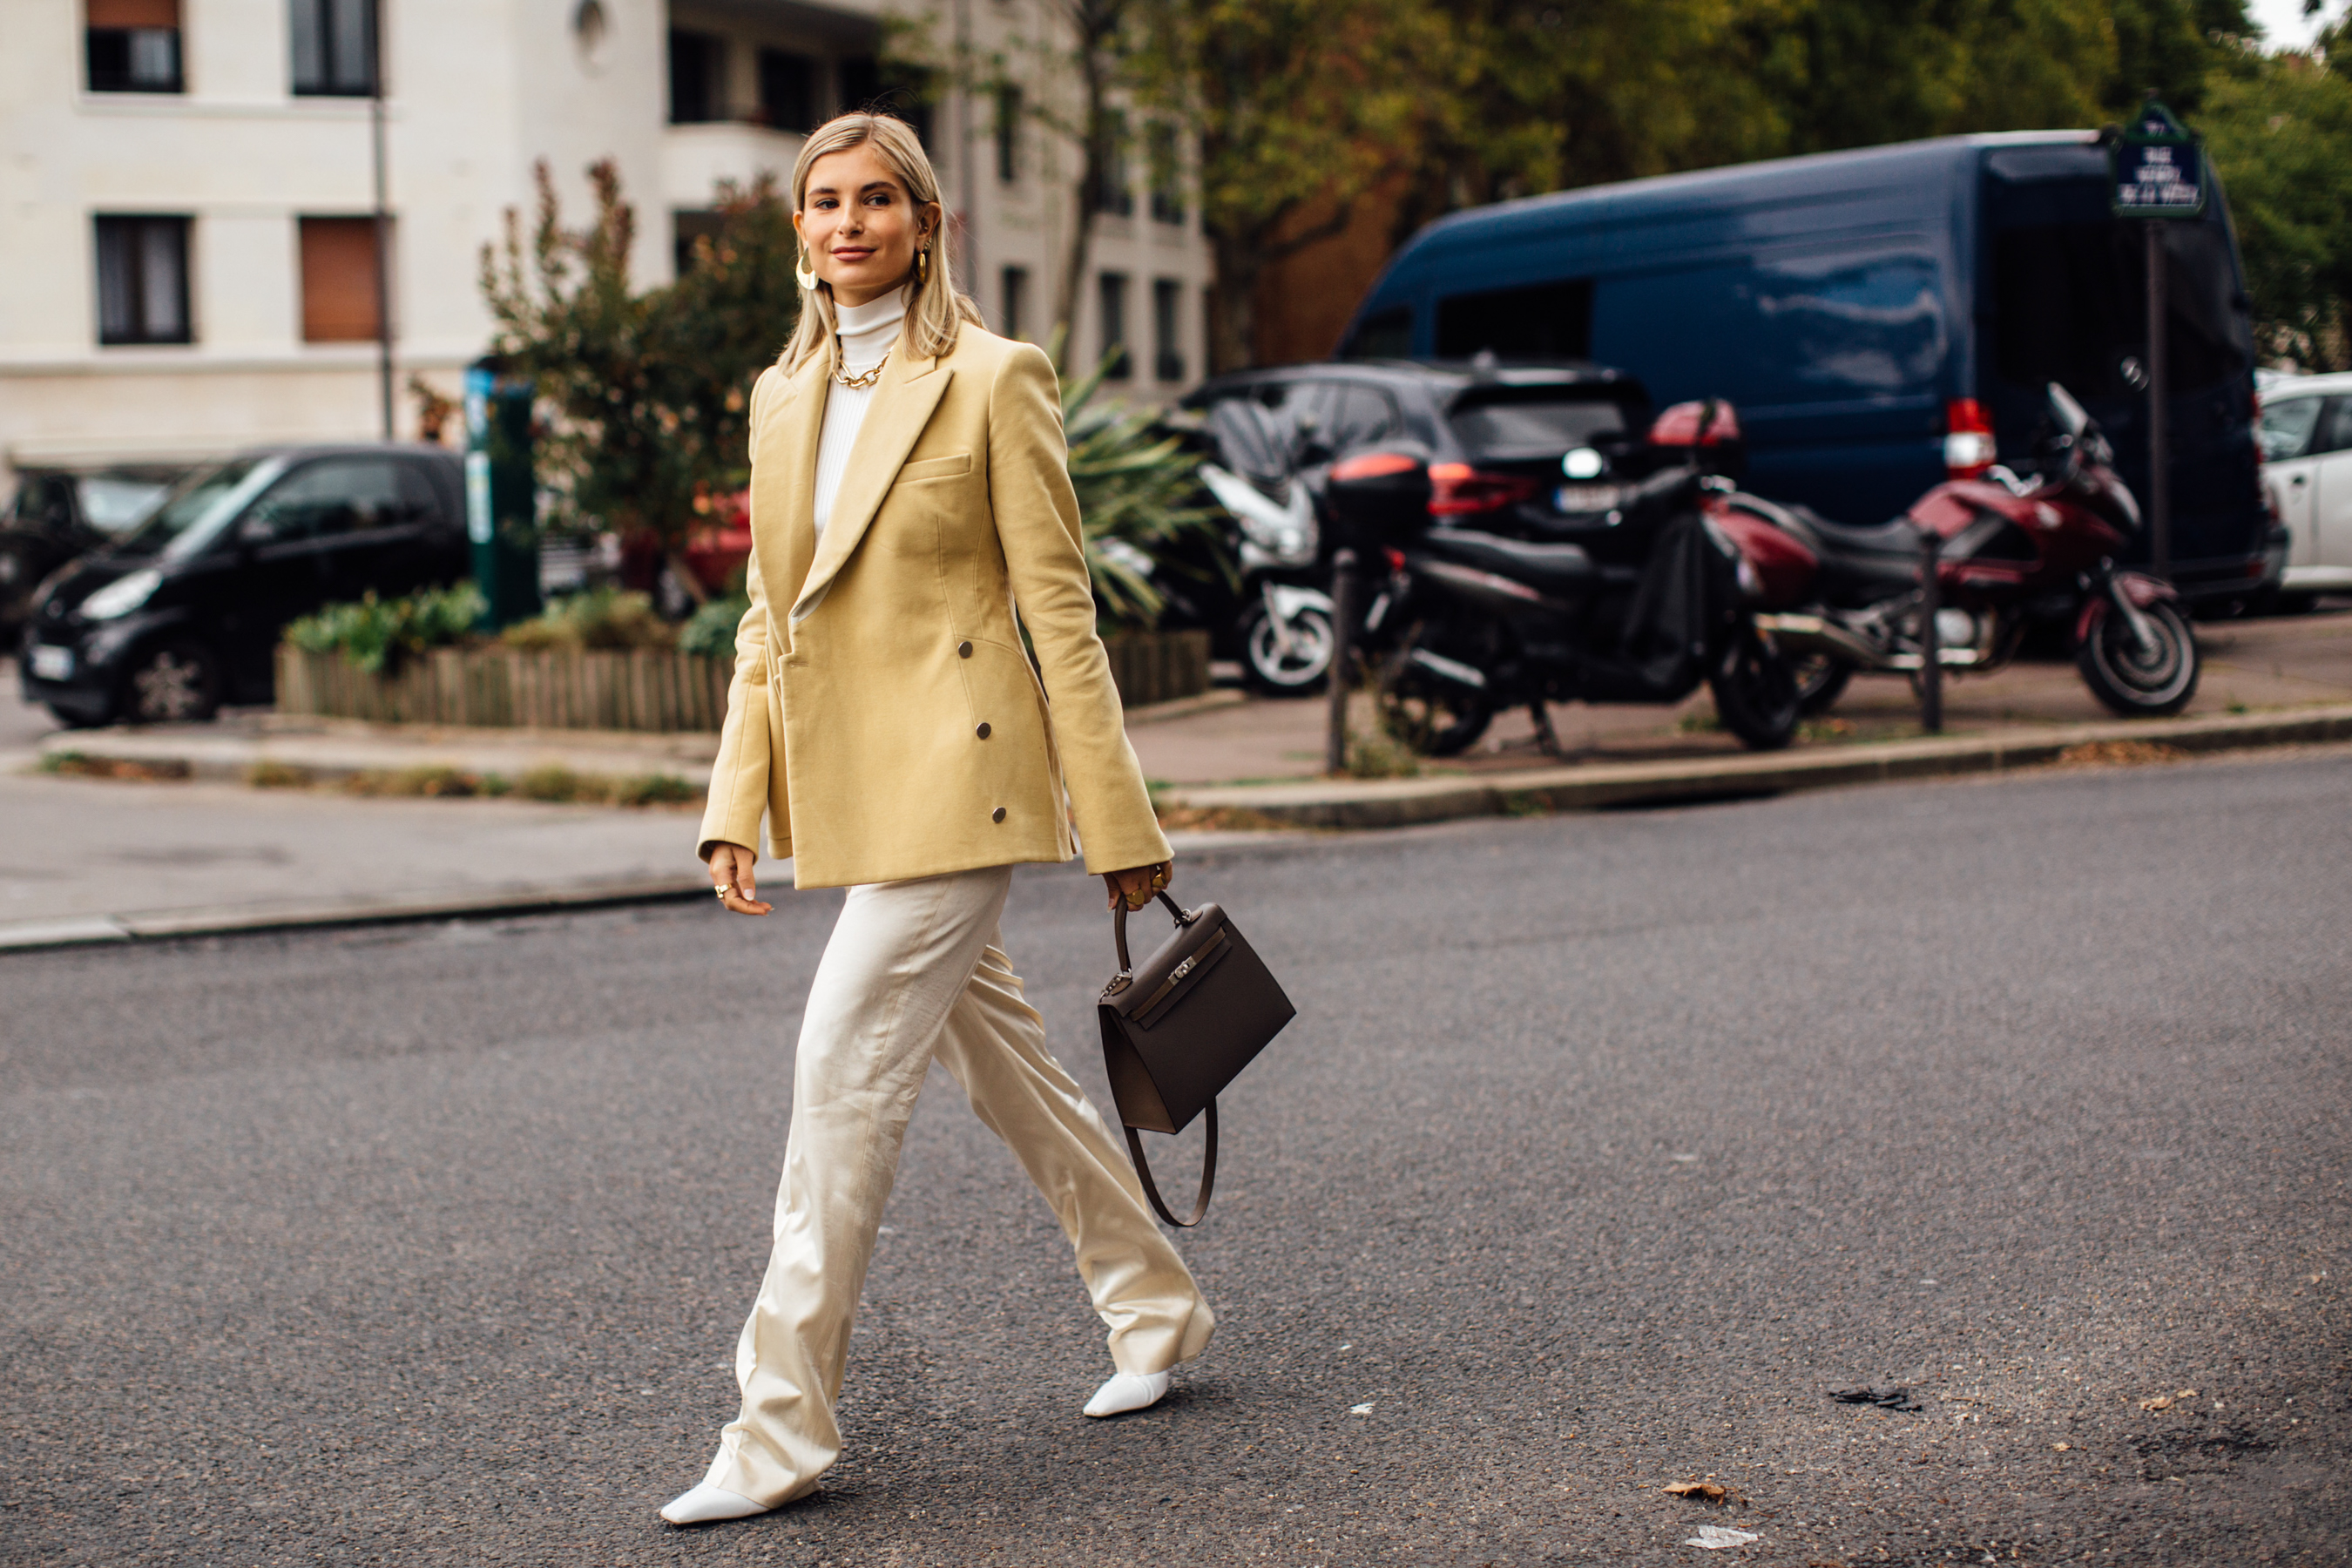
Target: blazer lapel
{"points": [[909, 390], [784, 525]]}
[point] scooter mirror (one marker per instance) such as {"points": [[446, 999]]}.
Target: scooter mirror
{"points": [[2071, 416]]}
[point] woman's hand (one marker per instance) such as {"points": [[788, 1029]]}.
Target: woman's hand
{"points": [[1136, 884], [731, 873]]}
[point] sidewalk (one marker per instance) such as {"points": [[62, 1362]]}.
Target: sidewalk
{"points": [[86, 860]]}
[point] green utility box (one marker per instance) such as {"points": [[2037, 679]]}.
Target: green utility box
{"points": [[501, 495]]}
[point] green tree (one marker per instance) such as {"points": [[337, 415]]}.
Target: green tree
{"points": [[2280, 136], [1298, 106], [644, 395]]}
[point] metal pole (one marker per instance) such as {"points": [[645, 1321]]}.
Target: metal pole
{"points": [[2160, 387], [1931, 650], [967, 217], [383, 251], [1343, 635]]}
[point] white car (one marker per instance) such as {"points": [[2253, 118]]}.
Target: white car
{"points": [[2307, 440]]}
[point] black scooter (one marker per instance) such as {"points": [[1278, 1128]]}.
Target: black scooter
{"points": [[1468, 624]]}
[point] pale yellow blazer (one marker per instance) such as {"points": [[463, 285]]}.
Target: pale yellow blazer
{"points": [[890, 725]]}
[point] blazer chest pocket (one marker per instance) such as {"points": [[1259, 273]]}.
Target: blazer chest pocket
{"points": [[948, 468]]}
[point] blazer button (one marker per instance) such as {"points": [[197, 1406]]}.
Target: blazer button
{"points": [[996, 815], [963, 650], [981, 732]]}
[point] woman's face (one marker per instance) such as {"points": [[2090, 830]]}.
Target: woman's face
{"points": [[857, 223]]}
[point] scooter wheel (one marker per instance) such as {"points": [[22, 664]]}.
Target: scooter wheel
{"points": [[1821, 679], [2139, 682], [1270, 668], [1755, 689]]}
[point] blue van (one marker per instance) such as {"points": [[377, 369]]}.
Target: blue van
{"points": [[1873, 314]]}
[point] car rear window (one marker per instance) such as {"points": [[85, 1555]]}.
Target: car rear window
{"points": [[2287, 427], [1535, 428]]}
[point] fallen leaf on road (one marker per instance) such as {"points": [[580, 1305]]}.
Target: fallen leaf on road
{"points": [[2062, 1447], [1896, 1398], [1705, 1491], [1714, 1538], [1364, 1410], [2161, 1402]]}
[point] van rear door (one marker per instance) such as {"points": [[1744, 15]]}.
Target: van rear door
{"points": [[2063, 298]]}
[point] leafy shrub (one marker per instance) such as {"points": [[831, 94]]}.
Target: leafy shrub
{"points": [[1138, 494], [605, 617], [375, 634], [710, 632]]}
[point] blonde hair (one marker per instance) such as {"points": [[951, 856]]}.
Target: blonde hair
{"points": [[936, 309]]}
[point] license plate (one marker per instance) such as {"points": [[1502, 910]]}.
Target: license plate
{"points": [[52, 663], [1584, 498]]}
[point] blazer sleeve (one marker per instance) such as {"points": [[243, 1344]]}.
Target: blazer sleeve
{"points": [[1037, 523], [739, 778]]}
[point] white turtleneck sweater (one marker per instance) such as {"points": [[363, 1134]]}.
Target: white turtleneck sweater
{"points": [[866, 332]]}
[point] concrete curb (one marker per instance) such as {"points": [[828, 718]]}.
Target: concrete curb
{"points": [[1401, 802], [83, 931]]}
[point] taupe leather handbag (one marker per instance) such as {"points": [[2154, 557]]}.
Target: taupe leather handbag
{"points": [[1180, 1027]]}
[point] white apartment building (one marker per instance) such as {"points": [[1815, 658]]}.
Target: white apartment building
{"points": [[187, 254]]}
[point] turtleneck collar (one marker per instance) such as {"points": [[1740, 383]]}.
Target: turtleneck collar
{"points": [[867, 330]]}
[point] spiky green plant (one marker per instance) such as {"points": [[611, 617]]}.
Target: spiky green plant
{"points": [[1138, 494]]}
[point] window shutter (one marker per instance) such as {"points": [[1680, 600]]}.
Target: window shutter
{"points": [[133, 13], [339, 292]]}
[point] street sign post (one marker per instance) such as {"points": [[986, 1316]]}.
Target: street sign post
{"points": [[2155, 173]]}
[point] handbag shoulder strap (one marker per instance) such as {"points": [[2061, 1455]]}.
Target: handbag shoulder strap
{"points": [[1208, 1172]]}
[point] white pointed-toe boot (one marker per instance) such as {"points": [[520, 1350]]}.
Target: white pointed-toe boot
{"points": [[706, 1504], [1129, 1391]]}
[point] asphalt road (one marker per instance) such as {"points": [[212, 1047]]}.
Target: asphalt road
{"points": [[1603, 1149]]}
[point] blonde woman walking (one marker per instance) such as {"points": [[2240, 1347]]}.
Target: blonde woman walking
{"points": [[908, 492]]}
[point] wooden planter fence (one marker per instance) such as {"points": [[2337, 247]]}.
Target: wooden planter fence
{"points": [[1158, 667], [501, 688]]}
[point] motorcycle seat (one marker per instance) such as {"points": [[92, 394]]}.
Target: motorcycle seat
{"points": [[1537, 565], [1895, 537]]}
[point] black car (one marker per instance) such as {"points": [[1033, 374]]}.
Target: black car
{"points": [[58, 514], [183, 613], [1496, 435]]}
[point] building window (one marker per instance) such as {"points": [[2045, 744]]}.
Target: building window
{"points": [[1113, 195], [787, 90], [340, 296], [696, 61], [334, 47], [143, 281], [905, 92], [1167, 173], [1009, 109], [132, 46], [1166, 305], [1016, 300], [1112, 286]]}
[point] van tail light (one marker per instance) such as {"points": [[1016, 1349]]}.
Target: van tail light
{"points": [[2254, 414], [1457, 489], [1969, 447], [1373, 466]]}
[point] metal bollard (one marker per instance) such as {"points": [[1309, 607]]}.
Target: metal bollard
{"points": [[1343, 637], [1931, 652]]}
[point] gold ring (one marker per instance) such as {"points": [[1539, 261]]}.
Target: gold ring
{"points": [[724, 889]]}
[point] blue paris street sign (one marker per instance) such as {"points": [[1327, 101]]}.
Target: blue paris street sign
{"points": [[2156, 168]]}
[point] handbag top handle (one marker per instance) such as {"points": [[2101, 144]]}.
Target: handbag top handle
{"points": [[1118, 930]]}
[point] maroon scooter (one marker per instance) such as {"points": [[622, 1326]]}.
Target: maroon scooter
{"points": [[1843, 600]]}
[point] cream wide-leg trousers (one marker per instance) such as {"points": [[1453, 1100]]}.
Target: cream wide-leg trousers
{"points": [[915, 971]]}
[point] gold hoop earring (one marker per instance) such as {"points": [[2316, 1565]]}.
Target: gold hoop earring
{"points": [[806, 279], [923, 265]]}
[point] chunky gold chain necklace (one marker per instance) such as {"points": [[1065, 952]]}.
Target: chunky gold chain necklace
{"points": [[864, 381]]}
